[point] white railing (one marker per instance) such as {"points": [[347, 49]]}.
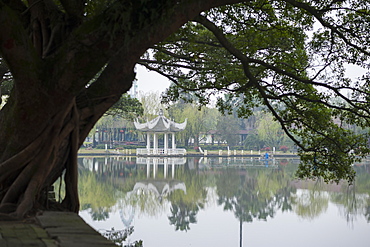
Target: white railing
{"points": [[161, 161], [160, 151]]}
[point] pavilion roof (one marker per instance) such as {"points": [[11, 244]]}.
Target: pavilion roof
{"points": [[160, 188], [160, 124]]}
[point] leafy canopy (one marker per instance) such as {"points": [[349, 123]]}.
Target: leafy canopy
{"points": [[127, 108], [289, 56]]}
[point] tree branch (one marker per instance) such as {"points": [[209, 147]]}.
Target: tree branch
{"points": [[318, 14], [15, 47]]}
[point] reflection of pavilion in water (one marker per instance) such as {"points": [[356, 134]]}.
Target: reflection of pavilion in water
{"points": [[153, 164], [122, 166], [157, 186]]}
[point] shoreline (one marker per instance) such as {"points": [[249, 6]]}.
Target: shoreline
{"points": [[129, 152]]}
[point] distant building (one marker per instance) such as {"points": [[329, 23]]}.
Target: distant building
{"points": [[114, 137], [213, 137]]}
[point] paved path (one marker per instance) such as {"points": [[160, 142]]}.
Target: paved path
{"points": [[52, 229]]}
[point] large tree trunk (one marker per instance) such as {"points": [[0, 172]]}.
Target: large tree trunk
{"points": [[40, 142], [37, 151], [53, 54]]}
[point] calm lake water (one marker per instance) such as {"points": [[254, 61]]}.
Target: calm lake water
{"points": [[222, 202]]}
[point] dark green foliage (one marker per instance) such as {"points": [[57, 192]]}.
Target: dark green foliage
{"points": [[269, 53], [127, 108]]}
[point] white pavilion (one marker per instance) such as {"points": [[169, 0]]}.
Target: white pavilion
{"points": [[157, 126]]}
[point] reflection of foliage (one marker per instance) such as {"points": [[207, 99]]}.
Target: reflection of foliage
{"points": [[119, 236], [182, 216], [363, 186], [249, 193], [255, 194], [285, 199], [97, 195], [311, 203], [185, 206], [100, 214], [352, 200], [367, 211], [351, 203], [363, 180], [143, 202]]}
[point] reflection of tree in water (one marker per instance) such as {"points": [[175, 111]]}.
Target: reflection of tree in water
{"points": [[96, 196], [99, 214], [312, 199], [363, 186], [119, 237], [251, 194], [182, 216], [185, 206], [351, 200], [145, 201], [150, 196], [311, 204], [367, 211], [354, 200], [254, 194], [348, 202]]}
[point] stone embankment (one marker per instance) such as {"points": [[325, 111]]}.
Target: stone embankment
{"points": [[51, 229]]}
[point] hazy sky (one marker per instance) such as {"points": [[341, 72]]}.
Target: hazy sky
{"points": [[150, 81]]}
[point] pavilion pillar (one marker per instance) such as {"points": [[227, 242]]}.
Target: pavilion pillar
{"points": [[155, 168], [165, 167], [155, 143], [148, 168], [173, 169], [148, 142], [165, 143], [173, 141]]}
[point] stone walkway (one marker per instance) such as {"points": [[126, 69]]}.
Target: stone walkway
{"points": [[50, 230]]}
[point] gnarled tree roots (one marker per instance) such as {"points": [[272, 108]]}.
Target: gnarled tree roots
{"points": [[26, 177]]}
